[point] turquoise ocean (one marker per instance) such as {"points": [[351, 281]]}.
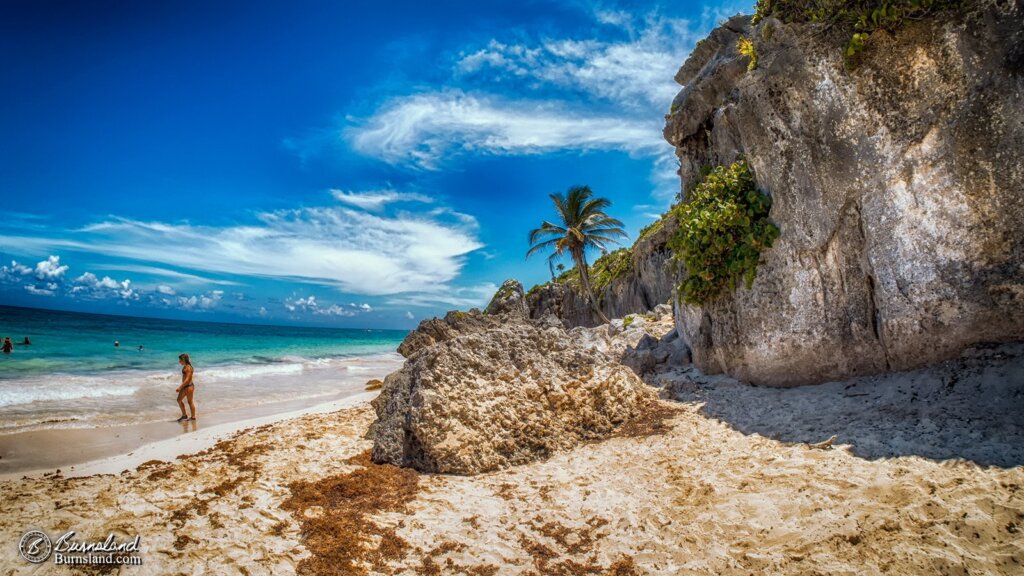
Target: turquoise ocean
{"points": [[72, 375]]}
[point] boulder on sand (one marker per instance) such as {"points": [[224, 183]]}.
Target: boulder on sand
{"points": [[511, 394]]}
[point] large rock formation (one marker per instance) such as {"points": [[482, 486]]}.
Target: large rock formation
{"points": [[647, 283], [898, 186], [508, 395]]}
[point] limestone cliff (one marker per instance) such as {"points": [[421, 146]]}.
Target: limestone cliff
{"points": [[898, 187]]}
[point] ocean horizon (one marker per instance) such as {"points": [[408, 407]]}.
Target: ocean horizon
{"points": [[72, 375]]}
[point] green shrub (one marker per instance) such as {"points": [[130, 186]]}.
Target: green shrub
{"points": [[745, 46], [723, 227], [859, 17], [627, 321]]}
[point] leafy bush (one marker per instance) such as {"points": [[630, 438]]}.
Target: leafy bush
{"points": [[723, 227], [860, 17], [745, 46]]}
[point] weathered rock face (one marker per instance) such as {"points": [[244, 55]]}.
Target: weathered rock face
{"points": [[647, 284], [509, 299], [434, 330], [508, 395], [898, 187]]}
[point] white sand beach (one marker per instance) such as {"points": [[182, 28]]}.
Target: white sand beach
{"points": [[724, 479]]}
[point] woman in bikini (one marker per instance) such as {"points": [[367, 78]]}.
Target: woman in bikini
{"points": [[187, 388]]}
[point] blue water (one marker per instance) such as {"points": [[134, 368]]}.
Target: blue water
{"points": [[73, 375], [84, 343]]}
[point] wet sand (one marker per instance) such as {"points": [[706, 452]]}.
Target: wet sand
{"points": [[40, 451], [703, 494], [83, 452]]}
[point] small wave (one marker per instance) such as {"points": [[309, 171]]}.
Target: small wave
{"points": [[243, 372], [42, 393]]}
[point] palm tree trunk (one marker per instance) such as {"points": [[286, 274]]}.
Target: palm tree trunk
{"points": [[580, 257]]}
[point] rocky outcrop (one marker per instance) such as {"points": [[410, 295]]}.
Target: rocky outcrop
{"points": [[434, 330], [646, 343], [509, 299], [647, 283], [513, 393], [898, 187]]}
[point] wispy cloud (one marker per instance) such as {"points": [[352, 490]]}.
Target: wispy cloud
{"points": [[427, 127], [521, 94], [461, 298], [633, 73], [375, 201], [182, 278], [355, 251]]}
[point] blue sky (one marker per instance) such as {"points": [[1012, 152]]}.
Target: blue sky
{"points": [[337, 163]]}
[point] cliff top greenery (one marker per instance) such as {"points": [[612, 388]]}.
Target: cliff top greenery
{"points": [[860, 17], [603, 271], [723, 227]]}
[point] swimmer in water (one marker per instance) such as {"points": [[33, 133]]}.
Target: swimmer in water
{"points": [[8, 345]]}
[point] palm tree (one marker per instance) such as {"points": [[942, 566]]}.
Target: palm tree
{"points": [[584, 224]]}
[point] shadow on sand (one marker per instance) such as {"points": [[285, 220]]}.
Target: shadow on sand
{"points": [[971, 408]]}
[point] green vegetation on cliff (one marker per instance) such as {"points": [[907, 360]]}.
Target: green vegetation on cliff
{"points": [[603, 272], [860, 17], [723, 227]]}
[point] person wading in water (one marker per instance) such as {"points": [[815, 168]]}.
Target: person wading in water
{"points": [[187, 388]]}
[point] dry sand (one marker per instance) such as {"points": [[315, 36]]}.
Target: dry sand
{"points": [[724, 485]]}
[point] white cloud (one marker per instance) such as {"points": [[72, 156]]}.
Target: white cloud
{"points": [[50, 269], [165, 289], [40, 291], [409, 315], [634, 73], [88, 285], [423, 128], [354, 251], [376, 200], [14, 271], [199, 301], [311, 305]]}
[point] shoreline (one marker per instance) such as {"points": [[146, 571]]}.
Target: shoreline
{"points": [[703, 492], [78, 452], [42, 450]]}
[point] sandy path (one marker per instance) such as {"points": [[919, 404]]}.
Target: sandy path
{"points": [[698, 497]]}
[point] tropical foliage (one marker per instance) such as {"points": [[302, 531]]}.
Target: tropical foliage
{"points": [[582, 224], [723, 227]]}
